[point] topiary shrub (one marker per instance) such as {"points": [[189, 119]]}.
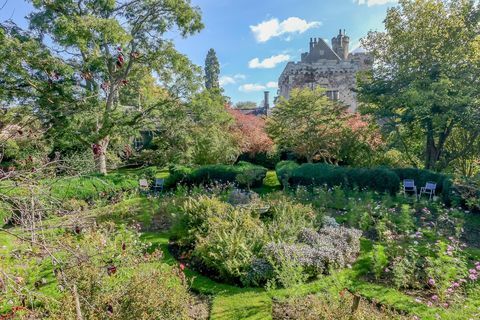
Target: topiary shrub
{"points": [[284, 169]]}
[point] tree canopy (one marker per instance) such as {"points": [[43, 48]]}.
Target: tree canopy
{"points": [[426, 74], [212, 70], [78, 81]]}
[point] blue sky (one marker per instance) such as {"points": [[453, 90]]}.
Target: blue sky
{"points": [[254, 39]]}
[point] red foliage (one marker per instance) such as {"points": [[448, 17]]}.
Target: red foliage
{"points": [[361, 128], [250, 133]]}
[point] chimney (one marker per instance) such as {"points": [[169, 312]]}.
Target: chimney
{"points": [[266, 101]]}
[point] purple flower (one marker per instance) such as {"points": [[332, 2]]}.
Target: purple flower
{"points": [[431, 282], [477, 267], [472, 271], [450, 290], [434, 297], [455, 284], [473, 277]]}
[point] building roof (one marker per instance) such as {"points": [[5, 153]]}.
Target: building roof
{"points": [[320, 50]]}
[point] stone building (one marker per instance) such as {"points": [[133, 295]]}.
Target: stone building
{"points": [[333, 68]]}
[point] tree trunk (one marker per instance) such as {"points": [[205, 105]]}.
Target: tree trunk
{"points": [[100, 154], [431, 152]]}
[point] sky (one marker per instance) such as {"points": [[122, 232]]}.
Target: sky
{"points": [[254, 39]]}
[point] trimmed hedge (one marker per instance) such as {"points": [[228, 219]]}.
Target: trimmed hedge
{"points": [[422, 176], [284, 169], [217, 173], [377, 179]]}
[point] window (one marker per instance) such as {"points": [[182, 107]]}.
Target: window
{"points": [[332, 95]]}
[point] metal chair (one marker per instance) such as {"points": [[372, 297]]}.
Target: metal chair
{"points": [[409, 186], [143, 186], [429, 189], [158, 186]]}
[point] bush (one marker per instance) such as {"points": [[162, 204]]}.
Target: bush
{"points": [[93, 187], [243, 173], [264, 159], [377, 179], [284, 169], [226, 238], [178, 174], [422, 176]]}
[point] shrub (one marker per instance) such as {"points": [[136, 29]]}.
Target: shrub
{"points": [[230, 244], [93, 187], [284, 169], [286, 219], [251, 175], [326, 306], [316, 252], [259, 272], [378, 179], [178, 175], [444, 183], [379, 260], [264, 159]]}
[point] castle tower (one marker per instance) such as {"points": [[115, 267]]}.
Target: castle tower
{"points": [[340, 44]]}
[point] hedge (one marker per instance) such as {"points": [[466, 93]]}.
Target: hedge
{"points": [[283, 170], [218, 173], [377, 179]]}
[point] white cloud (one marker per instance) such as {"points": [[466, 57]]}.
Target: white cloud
{"points": [[272, 85], [252, 87], [268, 63], [373, 2], [226, 80], [266, 30]]}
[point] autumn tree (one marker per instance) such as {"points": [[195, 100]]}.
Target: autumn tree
{"points": [[95, 50], [212, 70], [426, 75], [251, 134]]}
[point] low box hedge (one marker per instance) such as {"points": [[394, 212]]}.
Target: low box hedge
{"points": [[219, 173], [284, 169], [376, 179]]}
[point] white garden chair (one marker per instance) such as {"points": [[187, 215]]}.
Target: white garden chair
{"points": [[409, 186], [144, 187], [429, 189], [158, 186]]}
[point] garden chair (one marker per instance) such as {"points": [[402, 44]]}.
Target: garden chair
{"points": [[409, 186], [144, 188], [158, 186], [429, 189]]}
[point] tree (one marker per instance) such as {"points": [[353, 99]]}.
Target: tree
{"points": [[309, 124], [211, 132], [246, 105], [100, 48], [426, 73], [212, 70], [251, 134]]}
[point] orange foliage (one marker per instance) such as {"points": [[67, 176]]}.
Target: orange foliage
{"points": [[250, 133]]}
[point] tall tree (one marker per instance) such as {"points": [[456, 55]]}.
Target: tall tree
{"points": [[212, 70], [96, 50], [309, 124], [426, 73]]}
